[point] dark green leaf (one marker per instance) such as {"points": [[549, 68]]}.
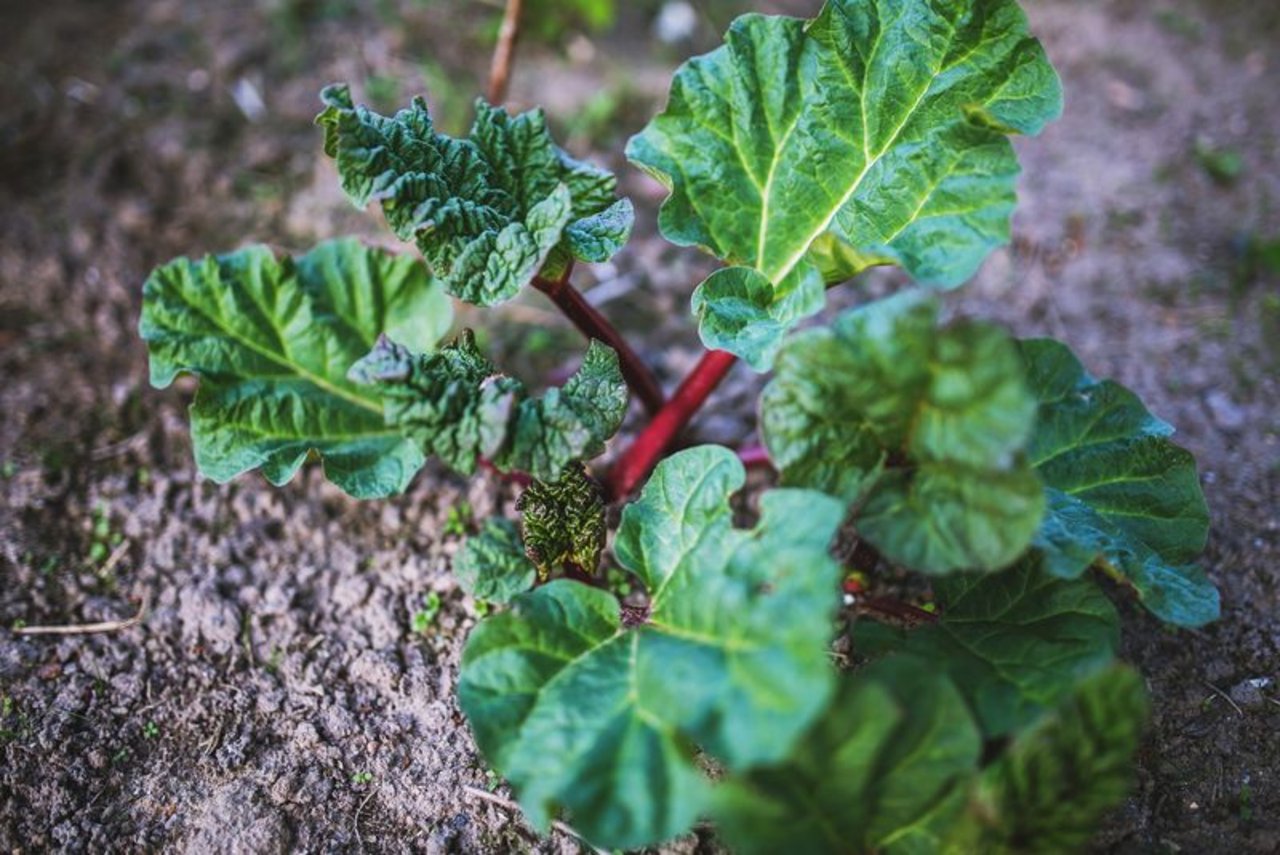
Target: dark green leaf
{"points": [[492, 565], [1052, 787], [1118, 490], [455, 404], [272, 341], [877, 131], [885, 770], [571, 422], [584, 712], [564, 522], [1014, 642], [486, 211], [923, 429]]}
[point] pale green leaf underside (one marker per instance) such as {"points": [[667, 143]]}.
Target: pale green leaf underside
{"points": [[1053, 786], [922, 429], [272, 339], [492, 565], [884, 770], [584, 713], [487, 211], [1014, 642], [1118, 489], [894, 767], [877, 130], [454, 403]]}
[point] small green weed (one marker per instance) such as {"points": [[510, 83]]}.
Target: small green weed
{"points": [[459, 520], [425, 616]]}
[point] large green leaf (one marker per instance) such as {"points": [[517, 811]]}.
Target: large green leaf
{"points": [[455, 404], [272, 339], [1118, 490], [1051, 788], [584, 711], [923, 428], [1014, 642], [886, 769], [486, 211], [808, 150]]}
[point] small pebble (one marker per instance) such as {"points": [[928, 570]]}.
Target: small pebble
{"points": [[1226, 413]]}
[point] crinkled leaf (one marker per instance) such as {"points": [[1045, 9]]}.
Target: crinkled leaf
{"points": [[583, 712], [452, 403], [1014, 642], [563, 521], [455, 404], [877, 131], [886, 769], [272, 339], [1051, 788], [492, 565], [742, 312], [1118, 489], [571, 422], [923, 428], [486, 211]]}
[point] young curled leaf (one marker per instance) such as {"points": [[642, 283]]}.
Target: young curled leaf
{"points": [[876, 133], [921, 429], [564, 522], [486, 211], [455, 404]]}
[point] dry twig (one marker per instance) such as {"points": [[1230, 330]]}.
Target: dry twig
{"points": [[500, 70], [89, 628], [1225, 697]]}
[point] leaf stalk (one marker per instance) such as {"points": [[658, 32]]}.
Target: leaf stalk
{"points": [[639, 459], [504, 52], [595, 325]]}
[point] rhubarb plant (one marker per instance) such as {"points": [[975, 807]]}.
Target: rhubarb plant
{"points": [[665, 649]]}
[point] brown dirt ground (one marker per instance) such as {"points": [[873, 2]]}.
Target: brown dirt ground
{"points": [[275, 696]]}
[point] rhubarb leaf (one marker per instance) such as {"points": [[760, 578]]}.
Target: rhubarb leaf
{"points": [[875, 133], [571, 422], [1014, 642], [1052, 787], [456, 405], [487, 211], [886, 769], [921, 429], [564, 522], [492, 565], [272, 339], [1119, 491], [582, 711]]}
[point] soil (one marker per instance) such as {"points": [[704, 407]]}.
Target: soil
{"points": [[289, 685]]}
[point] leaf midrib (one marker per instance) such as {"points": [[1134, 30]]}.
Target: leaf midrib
{"points": [[283, 361]]}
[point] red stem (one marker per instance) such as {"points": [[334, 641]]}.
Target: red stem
{"points": [[638, 461], [896, 609], [755, 456], [520, 479], [504, 52], [594, 325]]}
